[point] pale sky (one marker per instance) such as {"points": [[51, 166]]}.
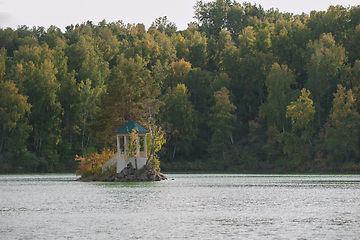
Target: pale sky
{"points": [[14, 13]]}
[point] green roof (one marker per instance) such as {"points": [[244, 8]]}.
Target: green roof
{"points": [[128, 127]]}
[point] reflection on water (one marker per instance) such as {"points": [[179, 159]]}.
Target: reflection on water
{"points": [[195, 206]]}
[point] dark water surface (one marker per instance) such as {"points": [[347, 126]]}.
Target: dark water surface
{"points": [[194, 206]]}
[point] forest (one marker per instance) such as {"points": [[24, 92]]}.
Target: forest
{"points": [[241, 89]]}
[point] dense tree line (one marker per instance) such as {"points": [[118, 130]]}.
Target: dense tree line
{"points": [[242, 88]]}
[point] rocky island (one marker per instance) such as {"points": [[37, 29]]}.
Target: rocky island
{"points": [[128, 174]]}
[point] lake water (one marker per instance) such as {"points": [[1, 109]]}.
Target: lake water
{"points": [[192, 206]]}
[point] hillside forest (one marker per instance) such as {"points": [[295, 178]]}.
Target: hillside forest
{"points": [[241, 89]]}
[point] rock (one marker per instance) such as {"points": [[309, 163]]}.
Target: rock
{"points": [[147, 166], [128, 170], [162, 176], [119, 179], [125, 172], [120, 175], [131, 178], [143, 177], [89, 179], [151, 177], [110, 178], [131, 170]]}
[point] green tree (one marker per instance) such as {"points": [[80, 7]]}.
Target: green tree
{"points": [[54, 38], [342, 134], [71, 142], [352, 38], [198, 83], [156, 136], [353, 82], [133, 147], [166, 48], [211, 16], [325, 59], [35, 74], [215, 49], [130, 87], [163, 25], [14, 129], [8, 40], [301, 113], [278, 85], [181, 47], [107, 42], [221, 80], [282, 41], [180, 116], [235, 15], [177, 73], [248, 75], [144, 45], [3, 59], [197, 45], [221, 121], [84, 59], [300, 35], [87, 108]]}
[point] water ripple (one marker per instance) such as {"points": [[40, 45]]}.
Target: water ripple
{"points": [[198, 206]]}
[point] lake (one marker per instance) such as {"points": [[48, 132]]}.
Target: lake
{"points": [[188, 206]]}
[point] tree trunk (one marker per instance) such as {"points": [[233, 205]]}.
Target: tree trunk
{"points": [[83, 134], [260, 88], [173, 153], [152, 138], [88, 141], [347, 156], [250, 110], [136, 165], [2, 140]]}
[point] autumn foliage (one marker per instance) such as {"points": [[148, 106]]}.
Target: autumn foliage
{"points": [[91, 163]]}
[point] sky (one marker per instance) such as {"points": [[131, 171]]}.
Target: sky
{"points": [[14, 13]]}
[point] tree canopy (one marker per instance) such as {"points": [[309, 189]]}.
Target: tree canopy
{"points": [[242, 88]]}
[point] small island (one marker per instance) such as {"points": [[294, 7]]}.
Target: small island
{"points": [[128, 174], [129, 164]]}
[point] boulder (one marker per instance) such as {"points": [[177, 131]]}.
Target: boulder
{"points": [[162, 176], [143, 177], [131, 169], [131, 178], [120, 175], [119, 179], [110, 178], [147, 166], [151, 177], [125, 172]]}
